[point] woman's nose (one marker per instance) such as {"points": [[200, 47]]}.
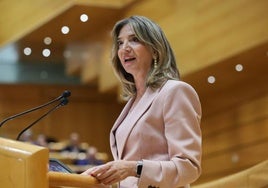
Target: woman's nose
{"points": [[126, 46]]}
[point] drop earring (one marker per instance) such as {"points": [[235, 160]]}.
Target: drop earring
{"points": [[155, 63]]}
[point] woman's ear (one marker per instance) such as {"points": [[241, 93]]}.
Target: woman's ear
{"points": [[155, 55]]}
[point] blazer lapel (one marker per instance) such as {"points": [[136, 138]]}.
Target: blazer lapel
{"points": [[121, 117], [136, 113]]}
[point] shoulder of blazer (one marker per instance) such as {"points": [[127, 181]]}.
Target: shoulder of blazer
{"points": [[176, 84], [179, 87]]}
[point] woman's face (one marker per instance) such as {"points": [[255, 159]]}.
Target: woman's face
{"points": [[135, 57]]}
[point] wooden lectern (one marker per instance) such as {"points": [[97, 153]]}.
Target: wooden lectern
{"points": [[26, 166]]}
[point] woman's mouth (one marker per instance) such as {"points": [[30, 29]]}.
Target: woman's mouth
{"points": [[129, 59]]}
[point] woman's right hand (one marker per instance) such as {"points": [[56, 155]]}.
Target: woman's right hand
{"points": [[112, 172]]}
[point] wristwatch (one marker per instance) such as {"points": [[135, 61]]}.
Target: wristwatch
{"points": [[139, 166]]}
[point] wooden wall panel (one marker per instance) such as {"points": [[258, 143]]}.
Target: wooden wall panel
{"points": [[231, 162], [25, 16], [205, 32], [235, 139]]}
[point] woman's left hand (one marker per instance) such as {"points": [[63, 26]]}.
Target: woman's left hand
{"points": [[113, 171]]}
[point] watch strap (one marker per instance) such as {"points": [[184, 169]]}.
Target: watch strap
{"points": [[139, 166]]}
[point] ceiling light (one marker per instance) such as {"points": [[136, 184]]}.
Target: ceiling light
{"points": [[46, 52], [239, 67], [47, 40], [83, 18], [65, 30], [27, 51], [211, 79]]}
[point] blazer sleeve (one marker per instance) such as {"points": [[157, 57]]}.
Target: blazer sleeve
{"points": [[182, 116]]}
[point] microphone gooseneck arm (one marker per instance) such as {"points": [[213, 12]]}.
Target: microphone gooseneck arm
{"points": [[65, 94], [63, 102]]}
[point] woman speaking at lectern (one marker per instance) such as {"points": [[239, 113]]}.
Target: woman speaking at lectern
{"points": [[156, 140]]}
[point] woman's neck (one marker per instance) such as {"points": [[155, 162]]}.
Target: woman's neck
{"points": [[140, 84]]}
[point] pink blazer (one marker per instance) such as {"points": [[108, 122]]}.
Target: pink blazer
{"points": [[163, 130]]}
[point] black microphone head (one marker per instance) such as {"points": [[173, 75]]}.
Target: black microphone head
{"points": [[64, 101], [66, 94]]}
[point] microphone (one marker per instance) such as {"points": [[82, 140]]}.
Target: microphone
{"points": [[64, 101], [65, 94]]}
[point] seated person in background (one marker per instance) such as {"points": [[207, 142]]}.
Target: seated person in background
{"points": [[74, 144], [27, 136], [90, 159], [41, 140]]}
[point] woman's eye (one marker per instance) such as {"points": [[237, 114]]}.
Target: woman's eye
{"points": [[135, 39], [119, 43]]}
